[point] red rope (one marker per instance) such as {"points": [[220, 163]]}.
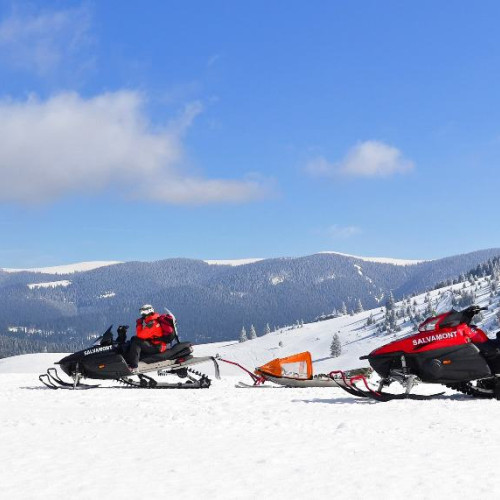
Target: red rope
{"points": [[256, 380]]}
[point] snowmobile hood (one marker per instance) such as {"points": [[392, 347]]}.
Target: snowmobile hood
{"points": [[429, 340]]}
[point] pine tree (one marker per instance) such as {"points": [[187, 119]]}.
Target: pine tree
{"points": [[343, 309], [389, 305], [370, 320], [253, 333], [359, 306], [335, 347], [268, 329], [243, 335]]}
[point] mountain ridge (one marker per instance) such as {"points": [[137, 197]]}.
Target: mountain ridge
{"points": [[212, 302]]}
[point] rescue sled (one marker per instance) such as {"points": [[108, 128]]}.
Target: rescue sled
{"points": [[292, 371]]}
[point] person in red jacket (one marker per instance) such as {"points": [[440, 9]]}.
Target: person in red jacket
{"points": [[153, 334]]}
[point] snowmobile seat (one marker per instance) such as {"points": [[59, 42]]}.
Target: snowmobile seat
{"points": [[180, 350]]}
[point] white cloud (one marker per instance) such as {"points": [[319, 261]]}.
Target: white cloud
{"points": [[68, 144], [336, 231], [45, 41], [366, 159], [201, 191]]}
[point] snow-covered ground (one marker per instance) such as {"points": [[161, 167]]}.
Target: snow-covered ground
{"points": [[229, 443], [232, 443]]}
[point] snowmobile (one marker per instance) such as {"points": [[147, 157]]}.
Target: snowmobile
{"points": [[448, 349], [105, 360]]}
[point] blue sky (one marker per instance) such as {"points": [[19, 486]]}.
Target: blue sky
{"points": [[247, 129]]}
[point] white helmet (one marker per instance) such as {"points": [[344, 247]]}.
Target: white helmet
{"points": [[146, 310]]}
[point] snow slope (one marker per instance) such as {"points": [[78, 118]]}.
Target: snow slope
{"points": [[228, 443]]}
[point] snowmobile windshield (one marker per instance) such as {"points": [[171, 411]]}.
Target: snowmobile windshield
{"points": [[105, 339], [97, 341], [453, 319], [456, 318]]}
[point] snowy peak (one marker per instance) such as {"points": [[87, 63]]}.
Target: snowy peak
{"points": [[380, 260], [231, 262], [67, 268]]}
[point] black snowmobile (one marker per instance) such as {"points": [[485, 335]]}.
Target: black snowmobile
{"points": [[105, 360]]}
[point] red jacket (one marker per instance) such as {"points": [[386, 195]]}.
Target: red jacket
{"points": [[157, 328]]}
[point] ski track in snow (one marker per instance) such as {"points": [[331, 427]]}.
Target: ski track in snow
{"points": [[241, 443]]}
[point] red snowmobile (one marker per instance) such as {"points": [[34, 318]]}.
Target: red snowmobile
{"points": [[448, 349]]}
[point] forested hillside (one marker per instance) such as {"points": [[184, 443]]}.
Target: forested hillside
{"points": [[212, 302]]}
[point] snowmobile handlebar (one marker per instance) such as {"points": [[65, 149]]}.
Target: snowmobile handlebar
{"points": [[474, 309]]}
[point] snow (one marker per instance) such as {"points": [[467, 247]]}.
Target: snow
{"points": [[107, 295], [228, 443], [49, 284], [29, 363], [67, 268], [276, 280], [381, 260], [232, 262], [89, 266]]}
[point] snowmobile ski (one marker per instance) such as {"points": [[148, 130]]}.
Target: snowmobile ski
{"points": [[52, 380], [349, 385], [344, 383]]}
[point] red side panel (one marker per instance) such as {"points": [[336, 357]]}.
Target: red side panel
{"points": [[437, 339]]}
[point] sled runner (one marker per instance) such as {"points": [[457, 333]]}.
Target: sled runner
{"points": [[105, 360]]}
